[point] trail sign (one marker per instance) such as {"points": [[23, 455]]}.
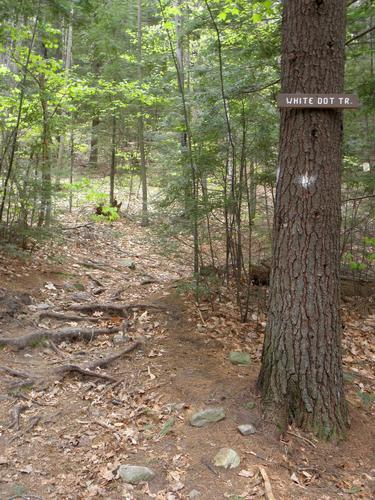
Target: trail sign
{"points": [[325, 101]]}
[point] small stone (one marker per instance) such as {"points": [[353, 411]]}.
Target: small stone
{"points": [[227, 458], [127, 263], [81, 297], [246, 429], [134, 474], [194, 494], [208, 416], [120, 338], [42, 307], [239, 358]]}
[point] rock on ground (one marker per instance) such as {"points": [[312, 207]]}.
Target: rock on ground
{"points": [[227, 458], [204, 417], [194, 494], [239, 358], [134, 474], [246, 429]]}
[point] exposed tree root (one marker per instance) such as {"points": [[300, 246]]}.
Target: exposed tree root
{"points": [[100, 266], [87, 370], [55, 349], [72, 228], [66, 317], [100, 363], [63, 370], [15, 416], [57, 336], [15, 373], [96, 281], [33, 422], [119, 309]]}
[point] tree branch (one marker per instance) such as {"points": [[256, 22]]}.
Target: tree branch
{"points": [[362, 33], [359, 198]]}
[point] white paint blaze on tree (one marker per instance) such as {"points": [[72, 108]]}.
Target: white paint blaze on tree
{"points": [[301, 378]]}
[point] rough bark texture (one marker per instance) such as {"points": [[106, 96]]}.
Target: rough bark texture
{"points": [[301, 376], [94, 146], [141, 138]]}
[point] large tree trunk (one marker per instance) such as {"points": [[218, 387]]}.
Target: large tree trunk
{"points": [[301, 377]]}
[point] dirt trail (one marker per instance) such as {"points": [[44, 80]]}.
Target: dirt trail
{"points": [[74, 432]]}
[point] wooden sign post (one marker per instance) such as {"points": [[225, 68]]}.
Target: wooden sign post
{"points": [[318, 101]]}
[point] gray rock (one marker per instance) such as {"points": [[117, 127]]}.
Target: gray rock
{"points": [[120, 338], [239, 358], [208, 416], [246, 429], [127, 263], [227, 458], [134, 474], [194, 494], [42, 307], [81, 297]]}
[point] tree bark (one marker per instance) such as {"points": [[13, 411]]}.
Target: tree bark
{"points": [[94, 145], [301, 378], [141, 139], [45, 211], [112, 174]]}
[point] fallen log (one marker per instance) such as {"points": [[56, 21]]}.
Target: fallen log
{"points": [[57, 336], [351, 286]]}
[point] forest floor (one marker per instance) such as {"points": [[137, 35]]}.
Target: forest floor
{"points": [[64, 432]]}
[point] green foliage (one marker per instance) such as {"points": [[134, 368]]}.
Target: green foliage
{"points": [[109, 214], [366, 398]]}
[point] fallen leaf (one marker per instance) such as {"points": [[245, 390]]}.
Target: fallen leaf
{"points": [[50, 286], [27, 470], [294, 478], [151, 375], [246, 473]]}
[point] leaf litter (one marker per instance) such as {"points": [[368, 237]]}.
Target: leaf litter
{"points": [[76, 431]]}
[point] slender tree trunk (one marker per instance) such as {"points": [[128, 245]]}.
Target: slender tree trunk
{"points": [[113, 164], [14, 136], [68, 43], [141, 139], [94, 145], [301, 378], [193, 169], [46, 189], [230, 175], [71, 169], [178, 21]]}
